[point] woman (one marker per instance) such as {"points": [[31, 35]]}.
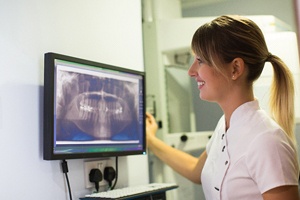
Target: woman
{"points": [[250, 155]]}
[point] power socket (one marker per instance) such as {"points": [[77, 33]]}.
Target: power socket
{"points": [[99, 164]]}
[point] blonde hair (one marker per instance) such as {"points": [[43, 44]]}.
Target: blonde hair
{"points": [[228, 37]]}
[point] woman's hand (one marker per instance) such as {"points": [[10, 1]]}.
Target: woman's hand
{"points": [[151, 127], [183, 163]]}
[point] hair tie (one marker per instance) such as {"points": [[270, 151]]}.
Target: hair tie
{"points": [[269, 56]]}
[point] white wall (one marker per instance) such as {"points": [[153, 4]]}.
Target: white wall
{"points": [[107, 31]]}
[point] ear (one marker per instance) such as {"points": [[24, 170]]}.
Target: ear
{"points": [[237, 68]]}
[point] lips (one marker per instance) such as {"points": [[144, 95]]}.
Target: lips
{"points": [[200, 84]]}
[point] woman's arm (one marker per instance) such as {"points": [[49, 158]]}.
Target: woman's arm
{"points": [[289, 192], [183, 163]]}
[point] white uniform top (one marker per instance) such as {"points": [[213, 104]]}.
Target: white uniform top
{"points": [[253, 156]]}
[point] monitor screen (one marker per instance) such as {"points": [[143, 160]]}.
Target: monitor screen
{"points": [[92, 109]]}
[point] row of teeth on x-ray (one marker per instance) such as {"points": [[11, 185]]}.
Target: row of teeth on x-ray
{"points": [[97, 104]]}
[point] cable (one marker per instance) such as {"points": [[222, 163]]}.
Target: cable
{"points": [[65, 170], [116, 174]]}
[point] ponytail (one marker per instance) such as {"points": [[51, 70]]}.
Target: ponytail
{"points": [[282, 96]]}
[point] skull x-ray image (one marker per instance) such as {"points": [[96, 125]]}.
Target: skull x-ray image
{"points": [[92, 107]]}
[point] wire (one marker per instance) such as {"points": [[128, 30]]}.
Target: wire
{"points": [[116, 180], [69, 188], [64, 166]]}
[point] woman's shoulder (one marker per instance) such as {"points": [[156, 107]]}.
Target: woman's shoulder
{"points": [[272, 159]]}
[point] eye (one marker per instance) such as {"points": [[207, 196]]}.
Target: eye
{"points": [[199, 61]]}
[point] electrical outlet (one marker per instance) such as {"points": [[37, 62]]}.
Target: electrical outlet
{"points": [[99, 164]]}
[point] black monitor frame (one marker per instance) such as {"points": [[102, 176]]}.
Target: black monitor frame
{"points": [[49, 101]]}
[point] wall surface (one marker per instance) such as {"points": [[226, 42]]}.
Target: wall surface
{"points": [[107, 31]]}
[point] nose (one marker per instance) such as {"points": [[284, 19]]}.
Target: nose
{"points": [[192, 72]]}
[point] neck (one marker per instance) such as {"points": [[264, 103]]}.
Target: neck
{"points": [[233, 102]]}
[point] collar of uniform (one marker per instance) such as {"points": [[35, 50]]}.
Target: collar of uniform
{"points": [[243, 110]]}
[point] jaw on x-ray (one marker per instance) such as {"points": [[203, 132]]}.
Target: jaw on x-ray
{"points": [[95, 108]]}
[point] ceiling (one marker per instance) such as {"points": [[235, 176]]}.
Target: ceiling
{"points": [[195, 3]]}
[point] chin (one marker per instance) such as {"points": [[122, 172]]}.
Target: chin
{"points": [[206, 98]]}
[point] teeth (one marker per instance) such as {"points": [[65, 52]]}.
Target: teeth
{"points": [[97, 104], [200, 83]]}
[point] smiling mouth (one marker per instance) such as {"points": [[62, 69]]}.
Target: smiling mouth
{"points": [[200, 83]]}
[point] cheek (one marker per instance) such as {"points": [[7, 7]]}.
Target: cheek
{"points": [[208, 75], [216, 86]]}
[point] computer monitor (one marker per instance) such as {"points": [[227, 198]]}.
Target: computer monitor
{"points": [[92, 109]]}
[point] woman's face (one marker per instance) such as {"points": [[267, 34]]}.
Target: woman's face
{"points": [[213, 85]]}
